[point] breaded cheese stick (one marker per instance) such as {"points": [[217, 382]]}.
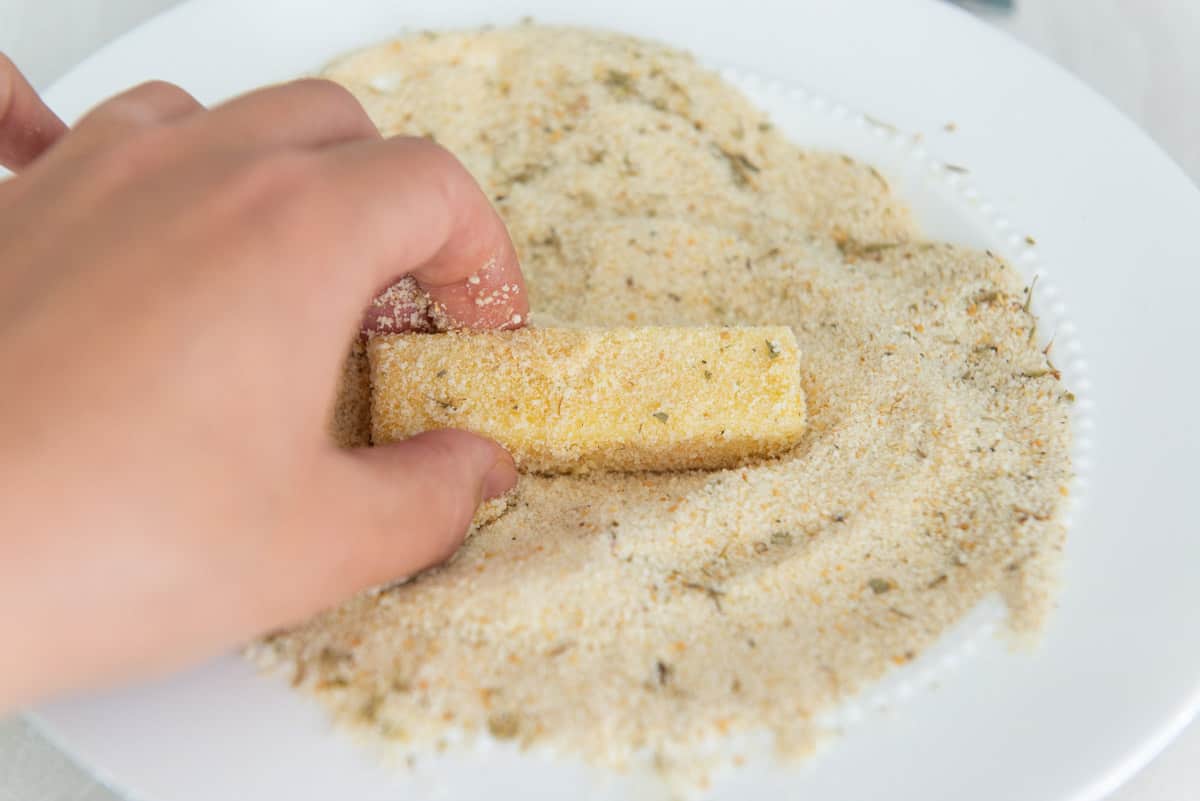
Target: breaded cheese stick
{"points": [[565, 400]]}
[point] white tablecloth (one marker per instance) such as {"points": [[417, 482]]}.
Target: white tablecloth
{"points": [[1143, 54]]}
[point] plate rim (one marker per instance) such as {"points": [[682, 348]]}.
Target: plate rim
{"points": [[1153, 741]]}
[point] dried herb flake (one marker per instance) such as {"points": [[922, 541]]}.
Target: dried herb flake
{"points": [[504, 725], [743, 168], [880, 585], [619, 83]]}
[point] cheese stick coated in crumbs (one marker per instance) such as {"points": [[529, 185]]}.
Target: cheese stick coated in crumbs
{"points": [[565, 400]]}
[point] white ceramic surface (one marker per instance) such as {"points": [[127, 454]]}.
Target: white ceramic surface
{"points": [[1117, 673]]}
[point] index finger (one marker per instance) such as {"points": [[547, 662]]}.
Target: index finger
{"points": [[27, 125], [408, 207]]}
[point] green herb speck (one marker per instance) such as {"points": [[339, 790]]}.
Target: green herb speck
{"points": [[618, 82], [504, 725]]}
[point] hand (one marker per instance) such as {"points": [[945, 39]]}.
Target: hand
{"points": [[178, 288]]}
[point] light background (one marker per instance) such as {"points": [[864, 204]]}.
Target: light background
{"points": [[1142, 54]]}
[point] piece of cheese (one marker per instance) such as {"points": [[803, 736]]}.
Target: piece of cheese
{"points": [[565, 400]]}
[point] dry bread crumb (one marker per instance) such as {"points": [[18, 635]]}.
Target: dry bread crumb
{"points": [[613, 615], [350, 424], [404, 306]]}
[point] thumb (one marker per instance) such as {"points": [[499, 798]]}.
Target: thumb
{"points": [[407, 505]]}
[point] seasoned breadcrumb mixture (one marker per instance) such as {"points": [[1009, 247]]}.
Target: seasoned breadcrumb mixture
{"points": [[615, 615]]}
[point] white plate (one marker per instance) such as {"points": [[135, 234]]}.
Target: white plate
{"points": [[1119, 670]]}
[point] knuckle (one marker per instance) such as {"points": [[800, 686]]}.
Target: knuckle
{"points": [[156, 88], [337, 101], [139, 106], [123, 110], [281, 193], [159, 93], [140, 151], [150, 142], [334, 95], [435, 155], [274, 179], [450, 176]]}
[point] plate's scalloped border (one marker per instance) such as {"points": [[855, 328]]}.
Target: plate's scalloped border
{"points": [[954, 648], [957, 646]]}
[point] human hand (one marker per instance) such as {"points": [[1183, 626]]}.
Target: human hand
{"points": [[178, 288]]}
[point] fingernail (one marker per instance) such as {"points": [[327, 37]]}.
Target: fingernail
{"points": [[501, 477]]}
